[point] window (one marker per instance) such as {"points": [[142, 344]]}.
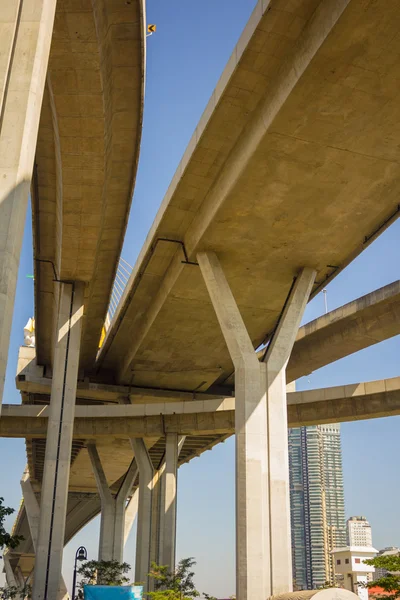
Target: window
{"points": [[357, 561], [338, 562], [347, 561]]}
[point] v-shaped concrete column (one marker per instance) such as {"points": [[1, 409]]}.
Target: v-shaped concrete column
{"points": [[156, 537], [54, 495], [25, 36], [112, 526], [261, 459]]}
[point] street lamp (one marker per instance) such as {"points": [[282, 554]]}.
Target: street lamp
{"points": [[81, 554]]}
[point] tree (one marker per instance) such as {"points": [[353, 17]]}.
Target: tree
{"points": [[174, 585], [12, 592], [390, 583], [6, 539], [102, 572]]}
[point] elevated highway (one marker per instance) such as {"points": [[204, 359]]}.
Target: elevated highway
{"points": [[292, 171], [286, 169], [86, 159]]}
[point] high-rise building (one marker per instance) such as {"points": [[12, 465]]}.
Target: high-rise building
{"points": [[359, 532], [316, 502]]}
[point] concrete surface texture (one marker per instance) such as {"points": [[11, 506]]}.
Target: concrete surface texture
{"points": [[25, 37], [86, 158], [54, 493], [292, 171], [286, 169]]}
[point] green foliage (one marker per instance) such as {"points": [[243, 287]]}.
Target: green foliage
{"points": [[10, 541], [12, 592], [103, 572], [390, 582], [174, 585]]}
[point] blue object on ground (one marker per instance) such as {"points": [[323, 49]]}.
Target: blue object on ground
{"points": [[110, 592]]}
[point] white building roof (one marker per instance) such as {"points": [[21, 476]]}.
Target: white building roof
{"points": [[356, 550]]}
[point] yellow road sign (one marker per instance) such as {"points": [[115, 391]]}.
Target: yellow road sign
{"points": [[151, 28]]}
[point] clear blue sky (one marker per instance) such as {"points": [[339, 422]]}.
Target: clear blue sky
{"points": [[185, 58]]}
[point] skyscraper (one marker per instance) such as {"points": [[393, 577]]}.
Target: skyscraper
{"points": [[359, 532], [316, 502]]}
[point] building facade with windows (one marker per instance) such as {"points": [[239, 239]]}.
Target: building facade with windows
{"points": [[316, 502], [359, 532]]}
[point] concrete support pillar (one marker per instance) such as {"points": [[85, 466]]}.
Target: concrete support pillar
{"points": [[261, 467], [25, 36], [10, 577], [276, 359], [168, 493], [54, 495], [33, 514], [144, 528], [131, 512], [112, 526]]}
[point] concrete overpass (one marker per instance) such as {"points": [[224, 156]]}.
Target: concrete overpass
{"points": [[203, 419], [284, 182]]}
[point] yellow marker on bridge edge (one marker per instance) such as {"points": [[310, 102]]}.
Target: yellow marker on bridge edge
{"points": [[151, 28]]}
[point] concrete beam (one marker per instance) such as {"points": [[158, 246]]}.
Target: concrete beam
{"points": [[353, 402], [348, 329]]}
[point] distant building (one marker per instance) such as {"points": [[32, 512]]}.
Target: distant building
{"points": [[359, 532], [350, 565], [316, 503], [389, 551]]}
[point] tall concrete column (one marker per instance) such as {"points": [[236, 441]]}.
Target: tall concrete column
{"points": [[261, 453], [276, 359], [33, 515], [168, 495], [131, 512], [54, 495], [251, 436], [112, 525], [144, 527], [25, 36]]}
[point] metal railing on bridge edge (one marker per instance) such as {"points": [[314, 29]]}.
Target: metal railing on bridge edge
{"points": [[122, 276]]}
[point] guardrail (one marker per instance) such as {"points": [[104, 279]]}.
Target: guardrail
{"points": [[122, 276]]}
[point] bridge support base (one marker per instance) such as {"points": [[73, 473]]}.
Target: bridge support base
{"points": [[53, 505], [112, 525], [144, 526], [25, 36], [263, 547], [33, 514], [156, 532]]}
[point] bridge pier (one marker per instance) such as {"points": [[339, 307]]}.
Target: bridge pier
{"points": [[53, 505], [131, 512], [25, 36], [156, 531], [112, 526], [33, 515], [263, 548], [144, 525]]}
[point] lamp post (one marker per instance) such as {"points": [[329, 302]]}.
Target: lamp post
{"points": [[81, 554]]}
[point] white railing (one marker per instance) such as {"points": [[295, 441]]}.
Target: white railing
{"points": [[124, 271]]}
